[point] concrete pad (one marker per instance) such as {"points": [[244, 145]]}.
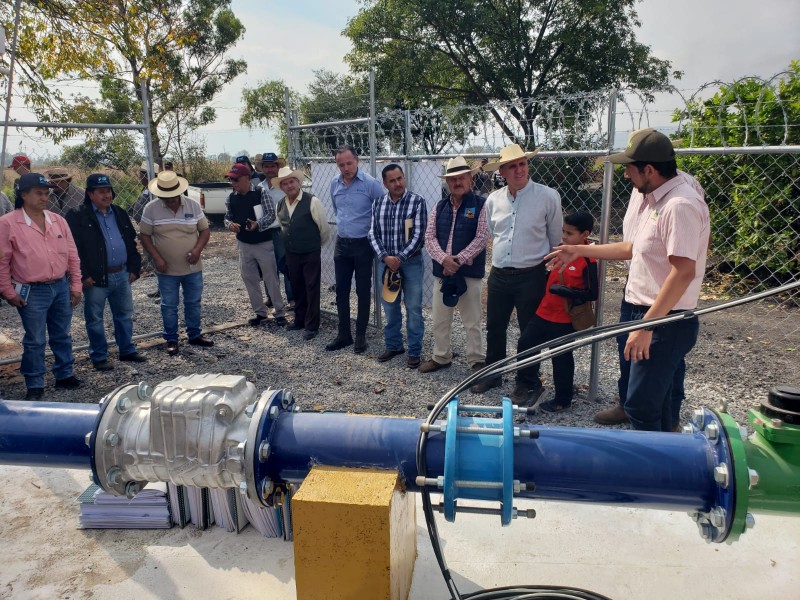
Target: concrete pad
{"points": [[624, 553]]}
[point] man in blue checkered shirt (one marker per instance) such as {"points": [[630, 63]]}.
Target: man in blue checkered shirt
{"points": [[397, 234]]}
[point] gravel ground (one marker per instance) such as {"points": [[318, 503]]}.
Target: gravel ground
{"points": [[728, 363]]}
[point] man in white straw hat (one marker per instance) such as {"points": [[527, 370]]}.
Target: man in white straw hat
{"points": [[456, 239], [305, 230], [525, 221], [665, 237], [174, 231], [65, 196]]}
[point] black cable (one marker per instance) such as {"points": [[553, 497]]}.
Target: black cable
{"points": [[530, 357]]}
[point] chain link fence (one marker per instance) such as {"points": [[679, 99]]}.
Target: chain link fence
{"points": [[749, 170]]}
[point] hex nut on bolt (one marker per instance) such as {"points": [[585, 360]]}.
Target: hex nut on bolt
{"points": [[123, 405], [144, 390], [749, 521], [111, 438], [243, 488], [753, 477], [132, 488], [712, 432], [721, 475], [698, 418], [263, 451], [273, 413]]}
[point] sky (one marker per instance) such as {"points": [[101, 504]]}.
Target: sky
{"points": [[709, 40]]}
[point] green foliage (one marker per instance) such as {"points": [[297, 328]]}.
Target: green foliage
{"points": [[265, 107], [104, 150], [754, 199], [481, 51], [176, 51]]}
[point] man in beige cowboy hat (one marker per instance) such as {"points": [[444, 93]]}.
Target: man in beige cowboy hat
{"points": [[305, 230], [456, 239], [174, 231], [65, 196], [525, 221]]}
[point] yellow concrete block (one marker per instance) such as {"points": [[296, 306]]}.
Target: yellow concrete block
{"points": [[354, 535]]}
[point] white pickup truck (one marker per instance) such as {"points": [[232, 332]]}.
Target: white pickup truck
{"points": [[211, 195]]}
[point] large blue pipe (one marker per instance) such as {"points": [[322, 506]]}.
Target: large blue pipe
{"points": [[46, 434], [614, 467]]}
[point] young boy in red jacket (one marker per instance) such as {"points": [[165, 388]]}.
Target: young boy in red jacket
{"points": [[576, 284]]}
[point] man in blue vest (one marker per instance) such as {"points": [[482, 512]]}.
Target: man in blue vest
{"points": [[456, 239]]}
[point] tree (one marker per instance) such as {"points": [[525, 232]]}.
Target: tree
{"points": [[265, 108], [176, 51], [754, 200], [489, 52]]}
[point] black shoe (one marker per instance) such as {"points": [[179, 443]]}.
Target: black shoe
{"points": [[339, 343], [280, 321], [68, 383], [552, 406], [309, 335], [102, 365], [201, 341], [361, 344], [172, 348], [413, 362], [389, 354], [256, 321], [34, 394], [295, 327], [156, 294], [132, 357], [485, 386]]}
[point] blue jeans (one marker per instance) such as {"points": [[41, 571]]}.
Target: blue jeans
{"points": [[118, 295], [411, 295], [169, 286], [651, 391], [48, 312]]}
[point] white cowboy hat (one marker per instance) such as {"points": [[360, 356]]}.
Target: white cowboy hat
{"points": [[287, 173], [167, 184], [458, 166], [143, 168], [508, 154]]}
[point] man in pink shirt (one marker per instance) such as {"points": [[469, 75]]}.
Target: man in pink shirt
{"points": [[665, 238], [40, 275]]}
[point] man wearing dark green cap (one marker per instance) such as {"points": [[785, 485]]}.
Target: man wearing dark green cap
{"points": [[665, 238]]}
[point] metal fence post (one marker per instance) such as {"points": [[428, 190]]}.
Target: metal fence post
{"points": [[9, 88], [376, 285], [289, 133], [148, 138], [605, 221]]}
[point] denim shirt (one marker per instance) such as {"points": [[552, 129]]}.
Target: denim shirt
{"points": [[352, 204], [116, 253]]}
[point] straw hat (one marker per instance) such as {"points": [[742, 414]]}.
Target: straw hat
{"points": [[143, 168], [287, 173], [167, 184], [507, 155], [58, 174], [392, 282], [458, 166]]}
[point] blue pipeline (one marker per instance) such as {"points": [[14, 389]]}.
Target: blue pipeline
{"points": [[614, 467], [46, 434]]}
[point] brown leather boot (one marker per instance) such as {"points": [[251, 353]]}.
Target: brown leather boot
{"points": [[612, 416]]}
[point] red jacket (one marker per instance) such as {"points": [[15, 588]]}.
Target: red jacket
{"points": [[580, 279]]}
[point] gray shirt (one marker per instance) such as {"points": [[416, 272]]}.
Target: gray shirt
{"points": [[523, 229]]}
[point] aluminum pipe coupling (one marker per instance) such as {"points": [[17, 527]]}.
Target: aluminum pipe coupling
{"points": [[190, 430]]}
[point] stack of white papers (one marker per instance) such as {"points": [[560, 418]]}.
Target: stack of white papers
{"points": [[265, 520], [149, 509], [227, 508]]}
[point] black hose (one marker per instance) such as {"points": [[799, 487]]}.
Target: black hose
{"points": [[527, 358]]}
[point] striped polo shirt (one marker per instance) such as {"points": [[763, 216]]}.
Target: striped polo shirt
{"points": [[174, 234]]}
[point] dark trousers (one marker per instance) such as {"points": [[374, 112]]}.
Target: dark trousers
{"points": [[353, 256], [651, 391], [538, 332], [509, 290], [304, 272]]}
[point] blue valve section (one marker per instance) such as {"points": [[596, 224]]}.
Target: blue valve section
{"points": [[479, 459]]}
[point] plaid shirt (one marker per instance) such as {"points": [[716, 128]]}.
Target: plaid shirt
{"points": [[387, 234]]}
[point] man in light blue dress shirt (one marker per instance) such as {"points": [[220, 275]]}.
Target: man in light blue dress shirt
{"points": [[353, 193], [525, 221]]}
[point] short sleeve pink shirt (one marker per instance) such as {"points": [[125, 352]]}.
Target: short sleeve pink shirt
{"points": [[673, 220]]}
